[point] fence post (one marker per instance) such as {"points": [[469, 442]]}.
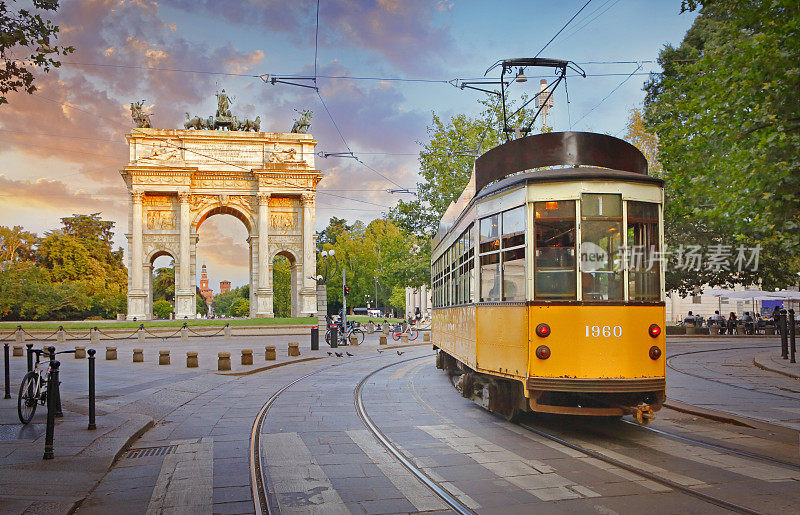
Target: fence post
{"points": [[91, 389], [140, 334], [784, 336], [19, 336], [51, 413], [792, 341], [94, 336], [227, 331], [30, 356], [7, 375], [61, 336], [184, 333]]}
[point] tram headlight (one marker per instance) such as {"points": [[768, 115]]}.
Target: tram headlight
{"points": [[543, 331], [655, 352], [654, 330], [542, 352]]}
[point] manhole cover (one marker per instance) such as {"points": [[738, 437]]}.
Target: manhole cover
{"points": [[21, 432]]}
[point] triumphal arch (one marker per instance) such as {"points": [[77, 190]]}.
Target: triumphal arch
{"points": [[179, 178]]}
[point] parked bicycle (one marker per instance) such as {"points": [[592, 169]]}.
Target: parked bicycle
{"points": [[33, 390], [410, 330], [342, 337]]}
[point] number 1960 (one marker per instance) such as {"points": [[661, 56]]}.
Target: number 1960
{"points": [[606, 331]]}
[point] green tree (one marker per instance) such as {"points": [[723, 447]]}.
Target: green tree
{"points": [[240, 308], [200, 302], [24, 34], [281, 287], [164, 283], [727, 115], [398, 299], [16, 244], [162, 308]]}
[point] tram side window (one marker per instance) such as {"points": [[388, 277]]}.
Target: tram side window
{"points": [[490, 258], [470, 263], [554, 254], [513, 245], [644, 273], [601, 242]]}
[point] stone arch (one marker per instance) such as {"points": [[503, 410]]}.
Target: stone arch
{"points": [[236, 212], [150, 269], [294, 277]]}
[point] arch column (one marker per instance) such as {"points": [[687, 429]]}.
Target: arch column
{"points": [[137, 297], [185, 294], [263, 296], [308, 291]]}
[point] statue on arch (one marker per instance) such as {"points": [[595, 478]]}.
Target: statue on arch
{"points": [[140, 118], [303, 124], [223, 105]]}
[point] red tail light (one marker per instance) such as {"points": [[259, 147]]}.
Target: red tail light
{"points": [[655, 352], [654, 330], [542, 352], [543, 330]]}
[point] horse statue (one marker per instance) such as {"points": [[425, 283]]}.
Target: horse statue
{"points": [[303, 124], [139, 117], [194, 123], [247, 125]]}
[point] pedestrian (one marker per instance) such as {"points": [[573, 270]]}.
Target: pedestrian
{"points": [[732, 323], [689, 320], [717, 320]]}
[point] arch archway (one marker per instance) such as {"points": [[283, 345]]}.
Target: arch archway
{"points": [[177, 179], [284, 269], [150, 274]]}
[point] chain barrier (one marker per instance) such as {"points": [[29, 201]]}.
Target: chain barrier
{"points": [[206, 335], [87, 335], [9, 337], [112, 337], [36, 338]]}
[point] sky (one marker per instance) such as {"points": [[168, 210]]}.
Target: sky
{"points": [[61, 149]]}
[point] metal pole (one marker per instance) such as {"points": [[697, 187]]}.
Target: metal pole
{"points": [[792, 330], [7, 375], [30, 356], [376, 294], [91, 353], [57, 386], [784, 339], [51, 413], [315, 337], [334, 337], [344, 303]]}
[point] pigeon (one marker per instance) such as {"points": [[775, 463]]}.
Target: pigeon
{"points": [[349, 353], [330, 354], [400, 353], [379, 351], [339, 354]]}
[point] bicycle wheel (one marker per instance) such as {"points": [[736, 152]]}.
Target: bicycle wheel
{"points": [[412, 334], [360, 335], [395, 335], [27, 400], [328, 337]]}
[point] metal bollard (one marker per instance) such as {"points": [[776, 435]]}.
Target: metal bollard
{"points": [[57, 386], [61, 336], [19, 336], [51, 411], [334, 337], [784, 336], [314, 337], [7, 375], [792, 331], [92, 424], [30, 356]]}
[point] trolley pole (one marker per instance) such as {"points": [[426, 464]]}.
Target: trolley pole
{"points": [[7, 375], [792, 341], [784, 335], [92, 424]]}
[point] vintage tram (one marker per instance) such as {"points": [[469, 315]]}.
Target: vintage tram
{"points": [[547, 287]]}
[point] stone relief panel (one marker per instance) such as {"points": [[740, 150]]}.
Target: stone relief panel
{"points": [[160, 212], [160, 219]]}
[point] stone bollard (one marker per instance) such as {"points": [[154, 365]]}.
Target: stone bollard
{"points": [[269, 353], [19, 336], [80, 352], [382, 339], [224, 361], [111, 353], [404, 339], [184, 334], [17, 351], [61, 335], [163, 357], [94, 337], [191, 359], [138, 355], [140, 335], [385, 329], [294, 349], [426, 337], [370, 328], [353, 340], [247, 356], [227, 332]]}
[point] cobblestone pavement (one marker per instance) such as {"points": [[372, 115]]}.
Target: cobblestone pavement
{"points": [[320, 458]]}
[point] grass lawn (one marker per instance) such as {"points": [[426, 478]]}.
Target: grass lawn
{"points": [[113, 324]]}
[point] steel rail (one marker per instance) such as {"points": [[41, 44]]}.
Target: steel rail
{"points": [[644, 473], [446, 496], [716, 447]]}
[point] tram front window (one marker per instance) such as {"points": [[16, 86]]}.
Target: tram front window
{"points": [[554, 254], [601, 239], [644, 272]]}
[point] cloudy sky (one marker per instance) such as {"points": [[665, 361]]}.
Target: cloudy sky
{"points": [[61, 149]]}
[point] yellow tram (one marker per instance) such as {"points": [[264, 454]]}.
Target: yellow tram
{"points": [[548, 291]]}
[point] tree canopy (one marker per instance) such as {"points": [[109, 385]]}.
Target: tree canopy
{"points": [[726, 111]]}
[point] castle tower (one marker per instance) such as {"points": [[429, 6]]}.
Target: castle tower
{"points": [[224, 286], [205, 291]]}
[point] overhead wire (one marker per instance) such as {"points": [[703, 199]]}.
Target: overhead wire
{"points": [[593, 19], [607, 96], [562, 29]]}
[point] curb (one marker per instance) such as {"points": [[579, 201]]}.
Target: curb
{"points": [[717, 416], [268, 367], [774, 370]]}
